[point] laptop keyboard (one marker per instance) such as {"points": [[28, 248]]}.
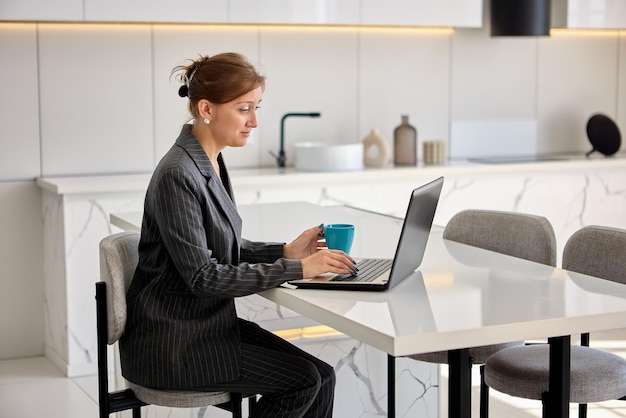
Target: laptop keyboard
{"points": [[369, 270]]}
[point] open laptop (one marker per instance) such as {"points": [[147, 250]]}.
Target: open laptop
{"points": [[382, 274]]}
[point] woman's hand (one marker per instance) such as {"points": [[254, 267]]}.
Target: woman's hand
{"points": [[306, 244], [327, 261], [316, 257]]}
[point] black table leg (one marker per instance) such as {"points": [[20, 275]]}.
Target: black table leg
{"points": [[391, 386], [558, 395], [460, 384]]}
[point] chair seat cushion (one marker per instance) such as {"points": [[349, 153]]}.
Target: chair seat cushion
{"points": [[523, 372], [178, 398], [478, 354]]}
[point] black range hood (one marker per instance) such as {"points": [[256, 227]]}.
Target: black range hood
{"points": [[520, 17]]}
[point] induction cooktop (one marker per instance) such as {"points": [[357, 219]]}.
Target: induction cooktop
{"points": [[517, 159]]}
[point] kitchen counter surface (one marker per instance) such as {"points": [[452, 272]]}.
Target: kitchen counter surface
{"points": [[271, 176]]}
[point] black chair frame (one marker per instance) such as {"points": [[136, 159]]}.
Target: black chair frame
{"points": [[122, 400]]}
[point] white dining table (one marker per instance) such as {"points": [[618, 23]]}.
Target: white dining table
{"points": [[460, 297]]}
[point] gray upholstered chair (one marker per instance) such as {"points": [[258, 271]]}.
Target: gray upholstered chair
{"points": [[118, 260], [595, 375], [516, 234]]}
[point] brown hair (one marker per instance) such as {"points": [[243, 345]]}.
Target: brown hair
{"points": [[218, 79]]}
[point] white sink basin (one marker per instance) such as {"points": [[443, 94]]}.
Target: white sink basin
{"points": [[318, 156]]}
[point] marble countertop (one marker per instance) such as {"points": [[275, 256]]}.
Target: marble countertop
{"points": [[271, 176]]}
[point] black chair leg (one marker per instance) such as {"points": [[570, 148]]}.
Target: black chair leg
{"points": [[137, 412], [484, 394], [582, 408], [252, 412], [235, 402]]}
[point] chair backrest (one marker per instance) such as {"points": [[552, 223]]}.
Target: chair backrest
{"points": [[598, 251], [118, 261], [521, 235]]}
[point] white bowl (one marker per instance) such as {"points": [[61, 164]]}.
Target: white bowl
{"points": [[317, 156]]}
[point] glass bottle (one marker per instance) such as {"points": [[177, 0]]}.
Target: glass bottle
{"points": [[405, 143]]}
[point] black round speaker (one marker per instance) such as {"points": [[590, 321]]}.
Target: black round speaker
{"points": [[603, 134]]}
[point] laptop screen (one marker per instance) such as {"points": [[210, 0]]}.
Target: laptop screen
{"points": [[415, 230]]}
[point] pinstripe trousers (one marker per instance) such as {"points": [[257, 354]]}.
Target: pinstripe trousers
{"points": [[292, 382]]}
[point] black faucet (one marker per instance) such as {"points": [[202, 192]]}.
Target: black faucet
{"points": [[280, 158]]}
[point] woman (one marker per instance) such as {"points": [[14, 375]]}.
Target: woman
{"points": [[182, 330]]}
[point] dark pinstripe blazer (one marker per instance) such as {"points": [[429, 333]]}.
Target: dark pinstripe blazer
{"points": [[182, 329]]}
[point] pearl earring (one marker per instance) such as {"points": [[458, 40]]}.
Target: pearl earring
{"points": [[207, 121]]}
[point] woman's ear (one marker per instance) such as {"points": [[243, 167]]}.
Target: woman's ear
{"points": [[205, 109]]}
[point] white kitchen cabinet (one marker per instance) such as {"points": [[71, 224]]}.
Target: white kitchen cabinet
{"points": [[27, 10], [589, 14], [457, 13], [201, 11], [318, 12]]}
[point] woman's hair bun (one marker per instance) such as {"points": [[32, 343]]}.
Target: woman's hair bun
{"points": [[183, 91]]}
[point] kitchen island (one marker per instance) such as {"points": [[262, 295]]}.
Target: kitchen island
{"points": [[76, 210]]}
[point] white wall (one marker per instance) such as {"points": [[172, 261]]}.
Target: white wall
{"points": [[86, 99]]}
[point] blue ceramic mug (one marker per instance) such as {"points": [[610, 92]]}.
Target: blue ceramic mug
{"points": [[339, 237]]}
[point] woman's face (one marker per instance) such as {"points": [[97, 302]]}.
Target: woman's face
{"points": [[232, 122]]}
